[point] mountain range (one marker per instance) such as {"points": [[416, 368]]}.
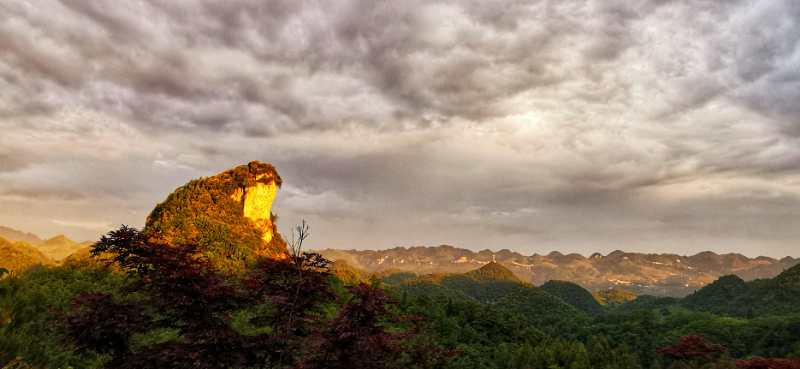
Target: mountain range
{"points": [[613, 278], [12, 234], [18, 256], [652, 274], [20, 250], [495, 285]]}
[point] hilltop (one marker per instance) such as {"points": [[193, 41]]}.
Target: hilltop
{"points": [[229, 215], [493, 272], [731, 295], [12, 234], [492, 285], [574, 295], [56, 248], [19, 256], [653, 274], [60, 247]]}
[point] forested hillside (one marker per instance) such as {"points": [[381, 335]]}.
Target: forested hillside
{"points": [[652, 274], [730, 295], [19, 256], [87, 315]]}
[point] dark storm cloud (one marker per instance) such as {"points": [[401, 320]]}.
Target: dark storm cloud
{"points": [[577, 124], [391, 49], [768, 63]]}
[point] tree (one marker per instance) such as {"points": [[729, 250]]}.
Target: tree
{"points": [[98, 323], [692, 351], [286, 307], [768, 363], [693, 346], [356, 338], [177, 291]]}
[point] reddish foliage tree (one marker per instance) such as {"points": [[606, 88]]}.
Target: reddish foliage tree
{"points": [[297, 289], [179, 291], [98, 323], [356, 338], [176, 289], [768, 363], [691, 347]]}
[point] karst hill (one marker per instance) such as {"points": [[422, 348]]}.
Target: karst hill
{"points": [[228, 215]]}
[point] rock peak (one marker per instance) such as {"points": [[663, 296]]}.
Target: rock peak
{"points": [[228, 215], [264, 172]]}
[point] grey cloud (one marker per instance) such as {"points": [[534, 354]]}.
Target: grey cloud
{"points": [[767, 62], [513, 122], [35, 61], [385, 46], [47, 194], [13, 161]]}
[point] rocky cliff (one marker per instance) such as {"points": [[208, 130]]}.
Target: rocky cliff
{"points": [[229, 216]]}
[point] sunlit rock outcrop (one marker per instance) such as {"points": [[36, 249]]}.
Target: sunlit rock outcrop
{"points": [[228, 215]]}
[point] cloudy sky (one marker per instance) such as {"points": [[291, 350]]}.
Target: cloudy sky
{"points": [[579, 126]]}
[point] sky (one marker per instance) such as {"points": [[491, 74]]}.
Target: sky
{"points": [[578, 126]]}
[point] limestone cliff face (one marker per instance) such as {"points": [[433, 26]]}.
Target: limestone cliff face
{"points": [[256, 203], [228, 215]]}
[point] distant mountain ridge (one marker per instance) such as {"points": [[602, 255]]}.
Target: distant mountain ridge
{"points": [[56, 248], [654, 274], [18, 256], [60, 247], [12, 234]]}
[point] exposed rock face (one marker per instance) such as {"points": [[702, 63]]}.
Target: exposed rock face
{"points": [[228, 215], [257, 198]]}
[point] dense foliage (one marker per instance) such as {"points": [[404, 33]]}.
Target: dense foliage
{"points": [[495, 285], [730, 295], [574, 295], [29, 320], [183, 313], [632, 333], [160, 307]]}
